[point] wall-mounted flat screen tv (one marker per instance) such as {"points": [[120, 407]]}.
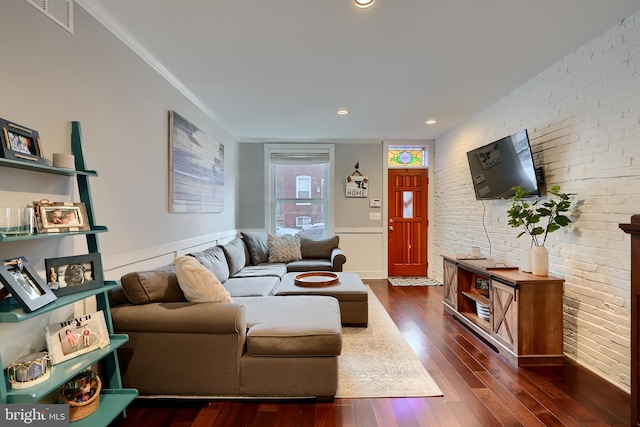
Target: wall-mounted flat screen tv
{"points": [[498, 167]]}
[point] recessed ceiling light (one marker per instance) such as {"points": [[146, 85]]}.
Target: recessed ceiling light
{"points": [[363, 4], [431, 121], [343, 111]]}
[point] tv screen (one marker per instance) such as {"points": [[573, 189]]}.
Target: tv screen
{"points": [[501, 165]]}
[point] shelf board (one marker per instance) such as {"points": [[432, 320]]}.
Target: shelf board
{"points": [[112, 403], [37, 167], [61, 372], [93, 230], [477, 297], [11, 312], [484, 324]]}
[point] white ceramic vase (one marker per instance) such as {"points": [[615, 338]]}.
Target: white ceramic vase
{"points": [[525, 263], [539, 261]]}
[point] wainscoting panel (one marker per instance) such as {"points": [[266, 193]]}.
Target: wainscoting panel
{"points": [[115, 266], [366, 251]]}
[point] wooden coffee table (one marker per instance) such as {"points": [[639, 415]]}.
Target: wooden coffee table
{"points": [[349, 291]]}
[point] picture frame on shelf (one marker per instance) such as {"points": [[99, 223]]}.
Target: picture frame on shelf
{"points": [[25, 285], [74, 337], [73, 274], [20, 143], [61, 217]]}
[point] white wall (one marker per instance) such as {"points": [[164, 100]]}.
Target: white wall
{"points": [[50, 78], [583, 117]]}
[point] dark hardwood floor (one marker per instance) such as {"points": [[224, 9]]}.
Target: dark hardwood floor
{"points": [[480, 388]]}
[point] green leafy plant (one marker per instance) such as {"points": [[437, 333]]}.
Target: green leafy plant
{"points": [[539, 218]]}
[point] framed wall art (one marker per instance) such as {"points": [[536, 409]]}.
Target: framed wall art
{"points": [[25, 285], [196, 168], [60, 217], [73, 274], [71, 338], [20, 143]]}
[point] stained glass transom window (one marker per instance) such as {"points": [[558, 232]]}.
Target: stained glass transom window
{"points": [[406, 156]]}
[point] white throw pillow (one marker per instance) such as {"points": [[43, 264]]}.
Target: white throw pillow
{"points": [[284, 249], [199, 284]]}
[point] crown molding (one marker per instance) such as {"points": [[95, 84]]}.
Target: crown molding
{"points": [[95, 9]]}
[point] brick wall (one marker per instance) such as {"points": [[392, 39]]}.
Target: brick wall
{"points": [[583, 117]]}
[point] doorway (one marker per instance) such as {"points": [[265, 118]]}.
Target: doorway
{"points": [[407, 222]]}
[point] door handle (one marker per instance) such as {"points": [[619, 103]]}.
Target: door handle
{"points": [[391, 228]]}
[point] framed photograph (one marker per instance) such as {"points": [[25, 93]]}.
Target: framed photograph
{"points": [[20, 143], [482, 285], [60, 217], [24, 284], [71, 338], [73, 274]]}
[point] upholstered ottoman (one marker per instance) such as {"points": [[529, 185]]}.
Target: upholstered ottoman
{"points": [[349, 291], [292, 346]]}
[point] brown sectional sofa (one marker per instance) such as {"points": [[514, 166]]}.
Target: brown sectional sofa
{"points": [[258, 345]]}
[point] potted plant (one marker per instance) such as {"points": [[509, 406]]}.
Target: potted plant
{"points": [[538, 218]]}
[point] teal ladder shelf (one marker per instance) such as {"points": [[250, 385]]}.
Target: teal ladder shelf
{"points": [[114, 398]]}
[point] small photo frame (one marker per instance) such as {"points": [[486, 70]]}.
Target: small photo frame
{"points": [[482, 285], [20, 143], [73, 274], [25, 285], [71, 338], [60, 217]]}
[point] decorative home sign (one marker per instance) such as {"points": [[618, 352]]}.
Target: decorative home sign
{"points": [[196, 168], [60, 217], [73, 274], [20, 143], [19, 278], [357, 184], [66, 340]]}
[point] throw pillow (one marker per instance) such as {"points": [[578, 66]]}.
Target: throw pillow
{"points": [[258, 246], [198, 284], [284, 249], [318, 249]]}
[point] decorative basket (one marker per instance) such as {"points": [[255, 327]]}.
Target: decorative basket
{"points": [[82, 409]]}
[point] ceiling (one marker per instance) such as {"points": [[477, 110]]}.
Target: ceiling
{"points": [[280, 69]]}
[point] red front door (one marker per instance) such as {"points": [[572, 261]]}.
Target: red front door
{"points": [[408, 222]]}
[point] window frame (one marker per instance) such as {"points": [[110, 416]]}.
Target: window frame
{"points": [[269, 181]]}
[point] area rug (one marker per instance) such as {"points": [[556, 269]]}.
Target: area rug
{"points": [[377, 361], [413, 281]]}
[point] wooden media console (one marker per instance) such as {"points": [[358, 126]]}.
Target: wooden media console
{"points": [[525, 311]]}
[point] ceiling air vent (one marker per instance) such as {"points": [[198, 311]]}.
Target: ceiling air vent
{"points": [[60, 11]]}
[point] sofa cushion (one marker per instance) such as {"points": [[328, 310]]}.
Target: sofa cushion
{"points": [[215, 261], [251, 286], [310, 265], [266, 269], [293, 326], [159, 285], [318, 249], [257, 245], [284, 248], [198, 283], [237, 255]]}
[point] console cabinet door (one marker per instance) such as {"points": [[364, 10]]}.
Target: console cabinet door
{"points": [[450, 285], [504, 318]]}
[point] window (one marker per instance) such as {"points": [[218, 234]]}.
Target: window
{"points": [[298, 188], [407, 156], [303, 188], [301, 221]]}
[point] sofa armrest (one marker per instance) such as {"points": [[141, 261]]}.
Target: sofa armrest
{"points": [[181, 317], [338, 258]]}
